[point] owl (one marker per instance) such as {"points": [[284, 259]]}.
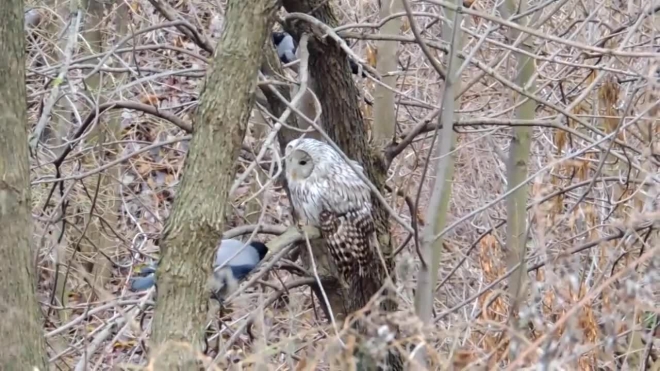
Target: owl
{"points": [[328, 193]]}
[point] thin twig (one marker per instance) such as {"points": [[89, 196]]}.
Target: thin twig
{"points": [[74, 27]]}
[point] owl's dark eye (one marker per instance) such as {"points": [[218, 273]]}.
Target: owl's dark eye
{"points": [[303, 162]]}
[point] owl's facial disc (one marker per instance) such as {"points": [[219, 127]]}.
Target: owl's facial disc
{"points": [[300, 165]]}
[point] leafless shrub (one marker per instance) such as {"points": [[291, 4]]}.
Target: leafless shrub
{"points": [[593, 265]]}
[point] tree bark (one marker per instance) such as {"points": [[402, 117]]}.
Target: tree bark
{"points": [[517, 163], [21, 337], [445, 152], [384, 102], [195, 226]]}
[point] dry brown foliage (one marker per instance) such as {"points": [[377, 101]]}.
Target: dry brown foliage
{"points": [[593, 202]]}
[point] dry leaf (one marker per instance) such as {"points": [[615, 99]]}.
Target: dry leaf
{"points": [[405, 25], [151, 99], [372, 55], [135, 6]]}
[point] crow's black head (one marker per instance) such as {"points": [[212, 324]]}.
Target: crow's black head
{"points": [[278, 37], [262, 249]]}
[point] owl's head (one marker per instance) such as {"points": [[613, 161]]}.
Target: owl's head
{"points": [[299, 161]]}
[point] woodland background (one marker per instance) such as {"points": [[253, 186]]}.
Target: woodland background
{"points": [[525, 139]]}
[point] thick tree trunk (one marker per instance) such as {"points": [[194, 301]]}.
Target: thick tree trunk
{"points": [[21, 337], [195, 226]]}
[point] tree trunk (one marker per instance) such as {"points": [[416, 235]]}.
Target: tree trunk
{"points": [[516, 205], [384, 103], [195, 226], [21, 337], [445, 152]]}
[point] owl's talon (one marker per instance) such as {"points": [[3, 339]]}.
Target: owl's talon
{"points": [[299, 226]]}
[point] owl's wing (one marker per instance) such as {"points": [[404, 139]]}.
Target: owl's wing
{"points": [[348, 237], [344, 192]]}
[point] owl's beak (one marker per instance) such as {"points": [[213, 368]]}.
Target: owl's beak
{"points": [[294, 175]]}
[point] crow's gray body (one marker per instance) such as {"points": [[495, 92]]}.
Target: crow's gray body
{"points": [[227, 269]]}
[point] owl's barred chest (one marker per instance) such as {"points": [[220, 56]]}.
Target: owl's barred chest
{"points": [[308, 203]]}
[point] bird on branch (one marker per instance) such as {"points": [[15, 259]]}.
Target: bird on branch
{"points": [[330, 195], [286, 48], [228, 269]]}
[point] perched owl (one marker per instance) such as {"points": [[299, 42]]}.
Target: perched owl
{"points": [[329, 194]]}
